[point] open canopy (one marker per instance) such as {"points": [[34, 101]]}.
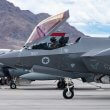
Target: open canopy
{"points": [[46, 27]]}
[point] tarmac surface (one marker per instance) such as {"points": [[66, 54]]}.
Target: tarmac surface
{"points": [[45, 96]]}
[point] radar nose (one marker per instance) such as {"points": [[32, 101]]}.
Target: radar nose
{"points": [[10, 58]]}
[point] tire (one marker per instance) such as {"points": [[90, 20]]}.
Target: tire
{"points": [[12, 86], [68, 94], [61, 85], [84, 79], [2, 81]]}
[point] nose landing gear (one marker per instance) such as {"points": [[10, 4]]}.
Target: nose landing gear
{"points": [[13, 83], [68, 92]]}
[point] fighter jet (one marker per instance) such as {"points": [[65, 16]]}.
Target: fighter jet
{"points": [[9, 70], [10, 76], [86, 56]]}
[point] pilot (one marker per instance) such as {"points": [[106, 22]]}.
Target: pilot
{"points": [[54, 43], [40, 46], [62, 41]]}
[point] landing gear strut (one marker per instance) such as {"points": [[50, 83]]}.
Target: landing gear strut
{"points": [[3, 81], [10, 80], [61, 84], [13, 84], [68, 92]]}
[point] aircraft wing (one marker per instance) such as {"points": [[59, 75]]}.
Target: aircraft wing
{"points": [[92, 53], [97, 61], [46, 27], [56, 72]]}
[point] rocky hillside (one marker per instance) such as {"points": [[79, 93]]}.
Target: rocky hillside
{"points": [[16, 25]]}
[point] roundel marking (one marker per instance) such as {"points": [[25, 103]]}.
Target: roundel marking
{"points": [[45, 60]]}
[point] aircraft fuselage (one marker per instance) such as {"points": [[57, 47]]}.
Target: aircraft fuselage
{"points": [[68, 58]]}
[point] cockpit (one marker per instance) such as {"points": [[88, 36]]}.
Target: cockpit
{"points": [[54, 41], [43, 37]]}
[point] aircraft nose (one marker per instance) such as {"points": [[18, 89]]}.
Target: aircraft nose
{"points": [[9, 59]]}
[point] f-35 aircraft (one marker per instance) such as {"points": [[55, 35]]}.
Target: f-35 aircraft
{"points": [[11, 76], [84, 57]]}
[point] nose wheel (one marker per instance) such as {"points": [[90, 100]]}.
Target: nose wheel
{"points": [[68, 92], [12, 85]]}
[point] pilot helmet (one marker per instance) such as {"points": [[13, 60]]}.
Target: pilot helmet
{"points": [[53, 39]]}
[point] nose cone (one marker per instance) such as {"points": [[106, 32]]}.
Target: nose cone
{"points": [[3, 51], [10, 58]]}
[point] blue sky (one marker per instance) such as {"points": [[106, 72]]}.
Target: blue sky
{"points": [[92, 17]]}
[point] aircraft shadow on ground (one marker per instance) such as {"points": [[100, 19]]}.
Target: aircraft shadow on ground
{"points": [[44, 88], [95, 88], [55, 88], [92, 97]]}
